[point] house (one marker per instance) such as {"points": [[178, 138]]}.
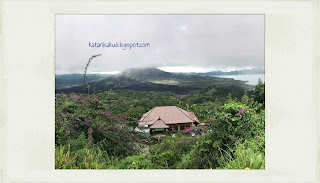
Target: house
{"points": [[167, 118]]}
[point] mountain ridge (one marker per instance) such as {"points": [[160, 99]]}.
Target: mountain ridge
{"points": [[235, 72], [154, 79]]}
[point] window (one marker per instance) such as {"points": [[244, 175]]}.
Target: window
{"points": [[175, 128], [181, 127]]}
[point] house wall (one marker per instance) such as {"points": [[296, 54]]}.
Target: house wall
{"points": [[180, 126]]}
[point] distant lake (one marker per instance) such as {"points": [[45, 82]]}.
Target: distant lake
{"points": [[251, 78]]}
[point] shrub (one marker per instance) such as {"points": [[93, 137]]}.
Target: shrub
{"points": [[78, 143], [237, 122], [243, 157], [86, 158], [90, 159], [86, 116], [203, 155], [136, 162], [64, 159], [169, 152]]}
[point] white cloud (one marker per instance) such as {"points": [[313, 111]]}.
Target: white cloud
{"points": [[189, 69], [202, 41]]}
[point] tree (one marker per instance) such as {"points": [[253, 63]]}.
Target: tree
{"points": [[229, 100], [245, 98], [259, 92]]}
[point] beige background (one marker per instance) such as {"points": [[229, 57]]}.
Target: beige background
{"points": [[27, 90]]}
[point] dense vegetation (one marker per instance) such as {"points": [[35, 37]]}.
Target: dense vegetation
{"points": [[63, 80], [97, 131]]}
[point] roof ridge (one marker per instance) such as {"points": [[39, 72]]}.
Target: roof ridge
{"points": [[194, 115], [162, 121], [184, 113]]}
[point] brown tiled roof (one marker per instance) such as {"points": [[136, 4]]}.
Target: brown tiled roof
{"points": [[169, 115], [193, 116], [159, 124]]}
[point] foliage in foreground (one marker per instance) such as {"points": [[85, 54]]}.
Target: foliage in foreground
{"points": [[243, 157]]}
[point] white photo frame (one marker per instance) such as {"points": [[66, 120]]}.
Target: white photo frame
{"points": [[292, 90]]}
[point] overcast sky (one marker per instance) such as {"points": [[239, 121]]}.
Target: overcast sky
{"points": [[178, 43]]}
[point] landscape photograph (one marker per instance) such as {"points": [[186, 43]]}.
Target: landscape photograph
{"points": [[159, 92]]}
